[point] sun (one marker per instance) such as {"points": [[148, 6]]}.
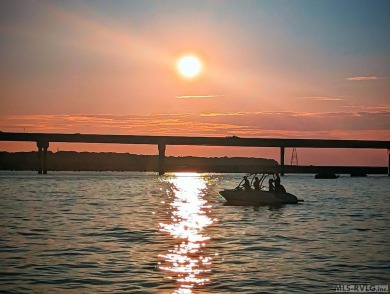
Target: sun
{"points": [[189, 66]]}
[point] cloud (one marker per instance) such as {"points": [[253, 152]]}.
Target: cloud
{"points": [[371, 108], [228, 113], [375, 119], [324, 98], [365, 78], [350, 124], [199, 96]]}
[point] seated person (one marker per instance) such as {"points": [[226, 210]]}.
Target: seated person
{"points": [[246, 185], [256, 184], [279, 187], [277, 180], [271, 186]]}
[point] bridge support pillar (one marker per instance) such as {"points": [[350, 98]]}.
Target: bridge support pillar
{"points": [[39, 160], [388, 163], [161, 158], [42, 156], [282, 160]]}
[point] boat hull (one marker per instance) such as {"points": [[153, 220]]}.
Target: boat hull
{"points": [[253, 198]]}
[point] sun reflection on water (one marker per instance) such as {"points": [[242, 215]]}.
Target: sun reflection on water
{"points": [[186, 262]]}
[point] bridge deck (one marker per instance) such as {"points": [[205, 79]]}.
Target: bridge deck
{"points": [[202, 141]]}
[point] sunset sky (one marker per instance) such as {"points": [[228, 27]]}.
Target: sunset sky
{"points": [[286, 69]]}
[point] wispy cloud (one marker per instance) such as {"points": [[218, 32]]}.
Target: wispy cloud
{"points": [[226, 113], [199, 96], [371, 108], [324, 98], [366, 78], [357, 120], [245, 124]]}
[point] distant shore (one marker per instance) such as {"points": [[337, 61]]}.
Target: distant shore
{"points": [[89, 161]]}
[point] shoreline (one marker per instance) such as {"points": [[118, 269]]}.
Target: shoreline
{"points": [[122, 162]]}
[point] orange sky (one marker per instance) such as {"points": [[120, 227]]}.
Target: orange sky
{"points": [[270, 69]]}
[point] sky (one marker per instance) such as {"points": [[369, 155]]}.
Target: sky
{"points": [[284, 69]]}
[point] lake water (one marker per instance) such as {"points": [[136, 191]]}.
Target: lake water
{"points": [[141, 233]]}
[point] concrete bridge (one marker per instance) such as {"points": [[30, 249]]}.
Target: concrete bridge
{"points": [[43, 140]]}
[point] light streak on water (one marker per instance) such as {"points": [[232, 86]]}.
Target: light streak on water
{"points": [[185, 261]]}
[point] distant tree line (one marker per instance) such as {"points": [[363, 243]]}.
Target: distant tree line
{"points": [[88, 161]]}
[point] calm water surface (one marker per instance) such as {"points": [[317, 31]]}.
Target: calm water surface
{"points": [[141, 233]]}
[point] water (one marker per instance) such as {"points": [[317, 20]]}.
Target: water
{"points": [[141, 233]]}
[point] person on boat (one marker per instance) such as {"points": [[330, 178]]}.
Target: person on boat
{"points": [[279, 187], [246, 185], [271, 186], [256, 184], [277, 180]]}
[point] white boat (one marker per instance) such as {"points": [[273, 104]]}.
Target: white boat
{"points": [[250, 197], [253, 198]]}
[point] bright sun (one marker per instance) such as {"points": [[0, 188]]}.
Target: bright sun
{"points": [[189, 66]]}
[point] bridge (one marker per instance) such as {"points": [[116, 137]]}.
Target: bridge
{"points": [[43, 140]]}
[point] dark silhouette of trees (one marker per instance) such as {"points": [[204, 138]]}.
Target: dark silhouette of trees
{"points": [[88, 161]]}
